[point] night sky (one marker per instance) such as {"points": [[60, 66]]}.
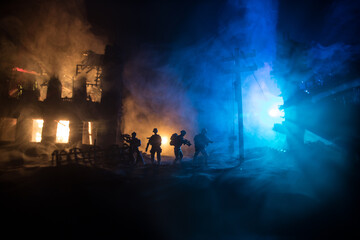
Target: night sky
{"points": [[182, 23], [187, 22], [155, 22]]}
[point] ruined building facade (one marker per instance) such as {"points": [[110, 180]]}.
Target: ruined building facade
{"points": [[75, 122]]}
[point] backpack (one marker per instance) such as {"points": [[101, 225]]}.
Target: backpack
{"points": [[173, 139], [155, 140]]}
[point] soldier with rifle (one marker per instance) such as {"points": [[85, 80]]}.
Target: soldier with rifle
{"points": [[177, 141], [135, 143], [201, 142]]}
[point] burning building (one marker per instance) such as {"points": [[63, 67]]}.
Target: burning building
{"points": [[91, 116]]}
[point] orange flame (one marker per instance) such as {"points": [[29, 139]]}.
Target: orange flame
{"points": [[62, 131], [25, 71], [37, 130]]}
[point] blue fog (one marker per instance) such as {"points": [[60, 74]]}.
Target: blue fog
{"points": [[194, 88], [198, 75]]}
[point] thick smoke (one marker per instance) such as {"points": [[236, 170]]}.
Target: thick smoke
{"points": [[324, 54], [157, 99], [47, 37], [196, 86]]}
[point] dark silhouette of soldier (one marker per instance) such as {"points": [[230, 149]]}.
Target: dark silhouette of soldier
{"points": [[177, 141], [135, 143], [201, 141], [155, 142]]}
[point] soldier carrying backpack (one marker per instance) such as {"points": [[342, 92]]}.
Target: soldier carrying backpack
{"points": [[177, 141], [173, 139]]}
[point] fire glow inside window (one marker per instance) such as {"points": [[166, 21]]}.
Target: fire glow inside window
{"points": [[89, 133], [37, 126], [63, 131]]}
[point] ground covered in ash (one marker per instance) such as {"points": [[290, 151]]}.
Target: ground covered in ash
{"points": [[310, 193]]}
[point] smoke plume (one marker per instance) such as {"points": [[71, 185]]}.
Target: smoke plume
{"points": [[47, 37]]}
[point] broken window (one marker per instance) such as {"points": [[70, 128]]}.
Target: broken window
{"points": [[37, 127], [63, 131], [89, 133]]}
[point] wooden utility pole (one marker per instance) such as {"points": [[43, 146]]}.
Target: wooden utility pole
{"points": [[237, 56]]}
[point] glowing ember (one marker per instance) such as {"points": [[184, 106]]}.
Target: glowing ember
{"points": [[12, 92], [25, 71], [63, 131], [37, 127]]}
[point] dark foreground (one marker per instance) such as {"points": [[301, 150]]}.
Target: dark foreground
{"points": [[279, 197]]}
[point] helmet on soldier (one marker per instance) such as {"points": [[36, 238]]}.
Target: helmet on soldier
{"points": [[183, 132], [155, 130], [133, 134], [204, 131]]}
